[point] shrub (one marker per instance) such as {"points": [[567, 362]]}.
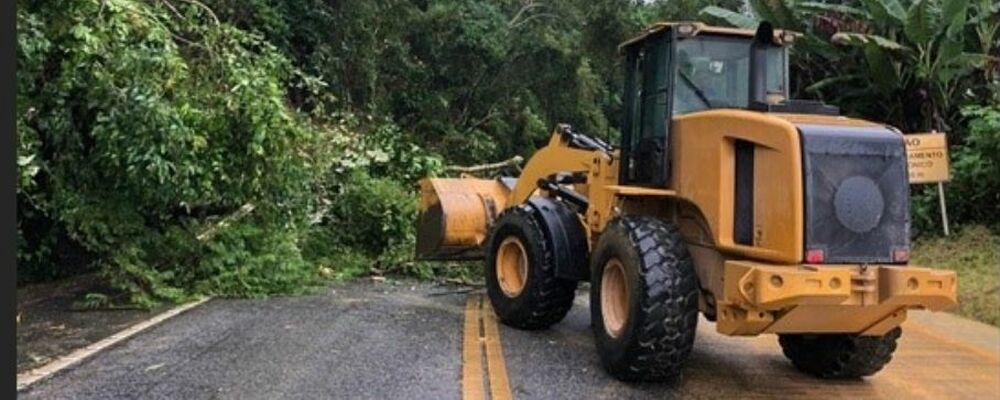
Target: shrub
{"points": [[973, 194], [252, 260], [372, 214], [368, 227], [142, 126], [381, 149]]}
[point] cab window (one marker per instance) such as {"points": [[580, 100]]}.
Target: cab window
{"points": [[714, 72]]}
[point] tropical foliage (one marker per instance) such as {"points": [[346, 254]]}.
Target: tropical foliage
{"points": [[917, 55], [141, 125], [256, 146]]}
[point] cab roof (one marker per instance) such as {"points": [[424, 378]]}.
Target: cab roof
{"points": [[781, 37]]}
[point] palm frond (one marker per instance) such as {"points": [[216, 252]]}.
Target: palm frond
{"points": [[731, 17]]}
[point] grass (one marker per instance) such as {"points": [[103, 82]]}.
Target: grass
{"points": [[973, 252]]}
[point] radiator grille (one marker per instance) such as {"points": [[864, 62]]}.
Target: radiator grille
{"points": [[857, 200]]}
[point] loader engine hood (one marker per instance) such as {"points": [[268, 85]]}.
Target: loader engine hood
{"points": [[857, 199]]}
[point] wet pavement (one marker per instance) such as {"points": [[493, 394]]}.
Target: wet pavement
{"points": [[369, 340]]}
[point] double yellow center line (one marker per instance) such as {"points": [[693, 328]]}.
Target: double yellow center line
{"points": [[482, 334]]}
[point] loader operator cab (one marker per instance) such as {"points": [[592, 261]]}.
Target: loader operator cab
{"points": [[682, 67]]}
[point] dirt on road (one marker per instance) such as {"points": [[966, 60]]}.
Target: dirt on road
{"points": [[51, 323]]}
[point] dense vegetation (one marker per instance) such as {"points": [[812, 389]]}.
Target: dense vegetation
{"points": [[248, 147]]}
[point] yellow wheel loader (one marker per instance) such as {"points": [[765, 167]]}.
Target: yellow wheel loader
{"points": [[724, 197]]}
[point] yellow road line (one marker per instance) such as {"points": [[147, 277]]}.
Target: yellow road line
{"points": [[472, 356], [499, 383], [481, 331]]}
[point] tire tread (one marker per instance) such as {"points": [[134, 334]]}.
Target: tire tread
{"points": [[839, 356], [669, 301]]}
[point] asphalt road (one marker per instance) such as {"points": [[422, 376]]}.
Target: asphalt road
{"points": [[366, 340]]}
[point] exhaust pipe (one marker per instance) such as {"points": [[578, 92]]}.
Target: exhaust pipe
{"points": [[762, 41]]}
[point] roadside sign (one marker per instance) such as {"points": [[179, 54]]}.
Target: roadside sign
{"points": [[927, 161], [927, 156]]}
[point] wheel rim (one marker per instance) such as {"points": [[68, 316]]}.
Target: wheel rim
{"points": [[512, 266], [614, 298]]}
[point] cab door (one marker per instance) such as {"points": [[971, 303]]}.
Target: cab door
{"points": [[645, 125]]}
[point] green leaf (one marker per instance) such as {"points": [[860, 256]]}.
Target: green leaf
{"points": [[976, 60], [837, 8], [920, 24], [731, 17], [895, 8], [953, 15], [886, 10], [824, 83], [762, 9], [776, 12], [951, 62], [985, 13], [849, 38], [25, 160], [948, 50], [883, 72], [81, 32]]}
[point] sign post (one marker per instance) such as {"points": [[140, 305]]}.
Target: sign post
{"points": [[944, 208], [927, 159]]}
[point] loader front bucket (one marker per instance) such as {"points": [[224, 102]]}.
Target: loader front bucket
{"points": [[455, 214]]}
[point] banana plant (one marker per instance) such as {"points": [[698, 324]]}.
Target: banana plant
{"points": [[917, 53], [986, 20], [920, 47], [786, 14], [812, 52]]}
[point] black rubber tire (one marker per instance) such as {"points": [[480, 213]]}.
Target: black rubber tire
{"points": [[663, 300], [839, 356], [545, 299]]}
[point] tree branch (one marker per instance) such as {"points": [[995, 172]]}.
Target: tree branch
{"points": [[513, 161], [213, 230]]}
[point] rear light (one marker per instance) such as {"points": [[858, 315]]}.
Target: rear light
{"points": [[814, 256], [901, 255]]}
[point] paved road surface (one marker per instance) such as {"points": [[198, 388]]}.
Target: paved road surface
{"points": [[366, 340]]}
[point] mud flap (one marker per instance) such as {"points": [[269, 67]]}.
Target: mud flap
{"points": [[568, 236]]}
